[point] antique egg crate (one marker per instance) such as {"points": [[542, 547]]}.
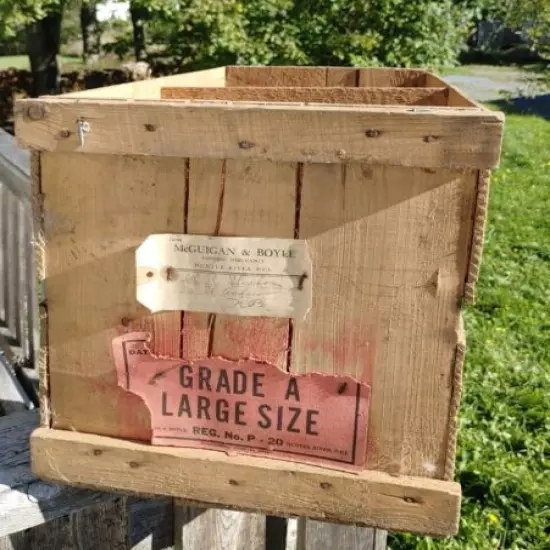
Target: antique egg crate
{"points": [[253, 281]]}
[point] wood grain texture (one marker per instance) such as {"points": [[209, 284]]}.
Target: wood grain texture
{"points": [[239, 198], [390, 252], [457, 98], [12, 395], [275, 76], [386, 77], [325, 536], [26, 502], [101, 526], [150, 89], [342, 95], [398, 503], [427, 137], [151, 524], [322, 76], [92, 233], [206, 529]]}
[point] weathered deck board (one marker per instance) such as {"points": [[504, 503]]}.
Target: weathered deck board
{"points": [[26, 502]]}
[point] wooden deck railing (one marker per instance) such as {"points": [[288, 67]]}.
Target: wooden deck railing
{"points": [[18, 307]]}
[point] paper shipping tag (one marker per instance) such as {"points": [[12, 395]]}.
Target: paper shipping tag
{"points": [[228, 275], [247, 406]]}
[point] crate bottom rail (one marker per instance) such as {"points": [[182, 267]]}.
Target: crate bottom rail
{"points": [[393, 502]]}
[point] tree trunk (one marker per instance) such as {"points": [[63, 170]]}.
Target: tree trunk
{"points": [[91, 32], [43, 41], [139, 15]]}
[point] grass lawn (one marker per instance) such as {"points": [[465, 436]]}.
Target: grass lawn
{"points": [[504, 454], [22, 61]]}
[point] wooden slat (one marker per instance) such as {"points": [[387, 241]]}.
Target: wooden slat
{"points": [[342, 76], [206, 529], [102, 526], [26, 502], [417, 136], [377, 77], [12, 396], [398, 503], [404, 235], [457, 98], [342, 95], [325, 536], [276, 76], [241, 198], [150, 89], [151, 524], [90, 284], [3, 254]]}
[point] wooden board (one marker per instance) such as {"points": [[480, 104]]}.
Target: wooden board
{"points": [[390, 251], [319, 535], [322, 76], [428, 137], [103, 526], [206, 529], [240, 198], [399, 503], [91, 288], [26, 502], [342, 95], [150, 89]]}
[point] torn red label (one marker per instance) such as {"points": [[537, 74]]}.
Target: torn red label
{"points": [[247, 406]]}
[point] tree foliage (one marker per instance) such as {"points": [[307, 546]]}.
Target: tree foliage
{"points": [[15, 14], [349, 32]]}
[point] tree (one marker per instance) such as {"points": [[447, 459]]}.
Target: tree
{"points": [[42, 20], [90, 28]]}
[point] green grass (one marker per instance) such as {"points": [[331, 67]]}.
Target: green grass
{"points": [[503, 461], [22, 61]]}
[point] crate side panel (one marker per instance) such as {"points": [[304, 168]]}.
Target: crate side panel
{"points": [[150, 89], [390, 250], [98, 209], [276, 76]]}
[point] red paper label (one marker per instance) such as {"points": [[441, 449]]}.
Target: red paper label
{"points": [[247, 405]]}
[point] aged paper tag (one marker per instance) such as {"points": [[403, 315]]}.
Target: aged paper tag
{"points": [[247, 406], [231, 275]]}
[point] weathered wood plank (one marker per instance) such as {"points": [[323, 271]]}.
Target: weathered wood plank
{"points": [[367, 96], [12, 396], [26, 502], [326, 536], [399, 503], [275, 76], [90, 284], [102, 526], [150, 89], [206, 529], [151, 524], [427, 137]]}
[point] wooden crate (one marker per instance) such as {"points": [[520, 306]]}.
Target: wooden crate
{"points": [[383, 173]]}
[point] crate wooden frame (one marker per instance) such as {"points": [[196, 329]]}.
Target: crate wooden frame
{"points": [[401, 119]]}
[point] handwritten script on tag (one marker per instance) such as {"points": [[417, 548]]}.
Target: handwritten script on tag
{"points": [[228, 275]]}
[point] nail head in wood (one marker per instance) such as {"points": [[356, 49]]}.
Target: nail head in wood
{"points": [[373, 133], [150, 128], [245, 144], [430, 139], [36, 112]]}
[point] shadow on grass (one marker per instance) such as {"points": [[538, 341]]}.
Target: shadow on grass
{"points": [[538, 105]]}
